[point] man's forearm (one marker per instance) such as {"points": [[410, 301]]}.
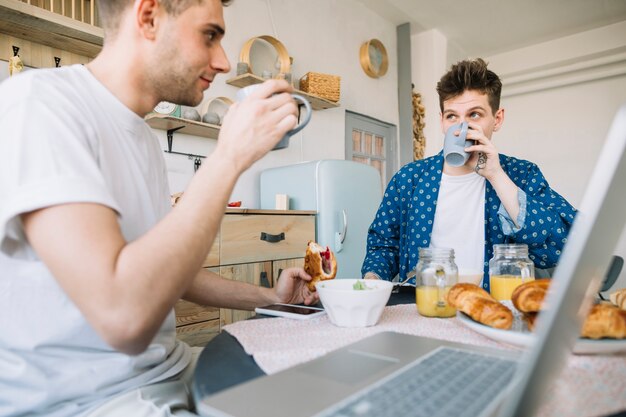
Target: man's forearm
{"points": [[211, 289], [507, 192]]}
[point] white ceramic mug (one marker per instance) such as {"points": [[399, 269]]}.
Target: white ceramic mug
{"points": [[284, 142]]}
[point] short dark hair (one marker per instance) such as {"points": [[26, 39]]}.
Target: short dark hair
{"points": [[470, 75], [109, 11]]}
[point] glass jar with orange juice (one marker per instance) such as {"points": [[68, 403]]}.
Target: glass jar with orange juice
{"points": [[435, 274], [509, 268]]}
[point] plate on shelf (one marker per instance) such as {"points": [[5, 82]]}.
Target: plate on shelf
{"points": [[520, 336]]}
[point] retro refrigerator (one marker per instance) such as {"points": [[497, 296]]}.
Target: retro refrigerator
{"points": [[345, 195]]}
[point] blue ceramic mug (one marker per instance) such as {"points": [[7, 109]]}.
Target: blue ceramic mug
{"points": [[454, 146]]}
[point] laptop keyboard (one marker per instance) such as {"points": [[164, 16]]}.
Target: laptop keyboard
{"points": [[449, 382]]}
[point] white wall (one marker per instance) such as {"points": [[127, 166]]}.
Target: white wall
{"points": [[429, 51], [322, 36], [559, 99]]}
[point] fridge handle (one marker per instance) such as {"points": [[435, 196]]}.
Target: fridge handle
{"points": [[340, 237]]}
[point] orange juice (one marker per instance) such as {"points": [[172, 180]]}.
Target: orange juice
{"points": [[502, 286], [427, 298]]}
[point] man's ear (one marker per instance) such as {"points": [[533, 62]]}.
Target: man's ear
{"points": [[147, 15], [499, 116]]}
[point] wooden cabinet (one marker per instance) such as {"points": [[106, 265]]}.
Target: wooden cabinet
{"points": [[278, 266], [197, 324], [259, 237], [53, 28], [252, 246], [258, 273]]}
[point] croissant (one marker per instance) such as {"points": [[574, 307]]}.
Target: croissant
{"points": [[480, 305], [605, 320], [530, 319], [619, 298], [529, 296], [320, 263]]}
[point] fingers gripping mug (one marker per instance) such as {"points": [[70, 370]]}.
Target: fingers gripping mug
{"points": [[284, 142], [454, 146]]}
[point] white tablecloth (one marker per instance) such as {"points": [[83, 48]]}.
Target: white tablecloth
{"points": [[591, 385]]}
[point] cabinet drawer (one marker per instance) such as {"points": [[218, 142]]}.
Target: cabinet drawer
{"points": [[198, 334], [213, 258], [189, 313], [286, 236], [278, 266]]}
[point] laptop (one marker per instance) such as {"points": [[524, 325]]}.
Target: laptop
{"points": [[376, 374]]}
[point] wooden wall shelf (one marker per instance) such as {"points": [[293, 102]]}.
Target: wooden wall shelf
{"points": [[189, 127], [317, 103], [35, 24]]}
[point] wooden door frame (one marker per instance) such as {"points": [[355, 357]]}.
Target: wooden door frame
{"points": [[380, 128]]}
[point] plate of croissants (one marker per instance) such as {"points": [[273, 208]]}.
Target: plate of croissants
{"points": [[513, 322]]}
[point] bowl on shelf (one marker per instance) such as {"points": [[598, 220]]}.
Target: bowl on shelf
{"points": [[215, 106], [190, 113], [354, 302], [211, 118]]}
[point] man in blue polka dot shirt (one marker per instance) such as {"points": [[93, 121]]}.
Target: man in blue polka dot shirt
{"points": [[492, 198]]}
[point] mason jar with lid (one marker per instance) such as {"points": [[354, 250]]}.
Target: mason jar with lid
{"points": [[509, 268], [435, 274]]}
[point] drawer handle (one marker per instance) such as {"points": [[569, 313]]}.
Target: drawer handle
{"points": [[272, 238], [264, 281]]}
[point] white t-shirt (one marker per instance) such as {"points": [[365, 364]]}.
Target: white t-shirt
{"points": [[460, 220], [66, 138]]}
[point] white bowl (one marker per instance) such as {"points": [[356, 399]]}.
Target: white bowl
{"points": [[347, 307]]}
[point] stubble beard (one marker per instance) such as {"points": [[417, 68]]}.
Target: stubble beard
{"points": [[174, 80]]}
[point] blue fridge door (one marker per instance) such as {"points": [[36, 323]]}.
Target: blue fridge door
{"points": [[348, 195], [345, 195], [298, 181]]}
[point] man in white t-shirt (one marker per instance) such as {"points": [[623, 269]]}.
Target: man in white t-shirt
{"points": [[491, 199], [92, 258]]}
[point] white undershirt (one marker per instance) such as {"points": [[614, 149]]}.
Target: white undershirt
{"points": [[460, 219]]}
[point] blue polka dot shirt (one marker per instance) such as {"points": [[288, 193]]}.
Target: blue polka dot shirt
{"points": [[404, 220]]}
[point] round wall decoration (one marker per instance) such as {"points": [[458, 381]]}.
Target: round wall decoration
{"points": [[265, 53], [374, 59]]}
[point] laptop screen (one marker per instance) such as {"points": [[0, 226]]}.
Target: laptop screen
{"points": [[578, 277]]}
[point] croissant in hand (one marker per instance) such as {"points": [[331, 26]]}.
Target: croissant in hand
{"points": [[320, 263], [480, 306]]}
